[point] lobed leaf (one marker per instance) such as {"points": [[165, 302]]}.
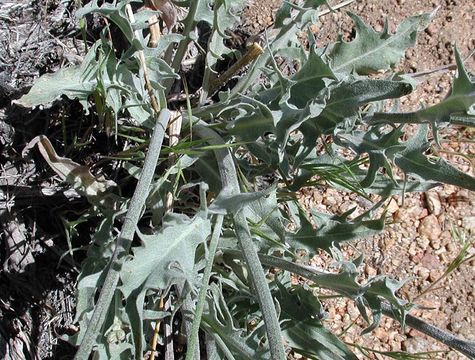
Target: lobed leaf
{"points": [[413, 161], [301, 312], [75, 82], [330, 232], [373, 51], [459, 105]]}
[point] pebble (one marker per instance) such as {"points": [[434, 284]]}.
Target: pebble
{"points": [[353, 310], [468, 223], [430, 261], [435, 243], [317, 197], [431, 29], [435, 274], [381, 334], [422, 272], [430, 305], [415, 345], [412, 249], [452, 300], [433, 202], [370, 271], [392, 207], [430, 227], [423, 242], [423, 214]]}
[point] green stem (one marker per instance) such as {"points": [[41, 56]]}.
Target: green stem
{"points": [[279, 42], [189, 24], [330, 281], [195, 327], [125, 238], [465, 347], [230, 183]]}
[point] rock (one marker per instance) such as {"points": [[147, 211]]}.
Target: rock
{"points": [[381, 334], [422, 272], [423, 214], [353, 310], [423, 242], [412, 249], [429, 304], [433, 202], [456, 319], [452, 300], [430, 227], [431, 29], [317, 197], [397, 216], [468, 223], [370, 271], [416, 258], [435, 243], [430, 261], [392, 207], [435, 274], [415, 345]]}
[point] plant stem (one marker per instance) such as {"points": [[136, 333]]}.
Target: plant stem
{"points": [[279, 42], [230, 183], [325, 280], [252, 53], [143, 65], [189, 23], [125, 238], [335, 7], [193, 339], [465, 347], [156, 330]]}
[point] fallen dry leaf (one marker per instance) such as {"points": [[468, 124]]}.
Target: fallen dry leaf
{"points": [[73, 173], [168, 11]]}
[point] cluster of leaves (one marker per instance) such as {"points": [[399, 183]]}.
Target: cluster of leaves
{"points": [[265, 126]]}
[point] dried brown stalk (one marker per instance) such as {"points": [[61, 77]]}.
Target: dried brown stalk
{"points": [[251, 54]]}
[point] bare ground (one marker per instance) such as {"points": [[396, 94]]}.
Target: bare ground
{"points": [[418, 245]]}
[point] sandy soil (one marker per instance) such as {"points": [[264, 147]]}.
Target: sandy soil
{"points": [[419, 244]]}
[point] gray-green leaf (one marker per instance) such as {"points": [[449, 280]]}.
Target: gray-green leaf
{"points": [[372, 51]]}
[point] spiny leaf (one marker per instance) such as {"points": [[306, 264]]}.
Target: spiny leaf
{"points": [[175, 243], [459, 105], [331, 231], [75, 82], [413, 161], [229, 203], [300, 313], [219, 323], [377, 289], [347, 97], [163, 258], [372, 51]]}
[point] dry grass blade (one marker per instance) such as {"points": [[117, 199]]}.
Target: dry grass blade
{"points": [[454, 264]]}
